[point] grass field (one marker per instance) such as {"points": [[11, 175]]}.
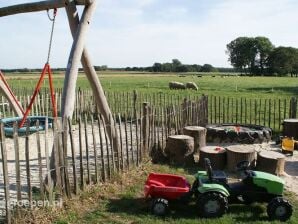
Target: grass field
{"points": [[122, 202], [249, 87]]}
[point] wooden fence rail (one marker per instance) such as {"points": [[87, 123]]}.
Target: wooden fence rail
{"points": [[84, 154]]}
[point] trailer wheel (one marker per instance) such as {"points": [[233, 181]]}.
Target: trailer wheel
{"points": [[279, 209], [212, 205], [160, 207]]}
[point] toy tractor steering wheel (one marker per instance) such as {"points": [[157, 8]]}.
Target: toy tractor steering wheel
{"points": [[243, 165], [208, 168]]}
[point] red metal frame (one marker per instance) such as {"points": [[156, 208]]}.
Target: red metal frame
{"points": [[45, 69]]}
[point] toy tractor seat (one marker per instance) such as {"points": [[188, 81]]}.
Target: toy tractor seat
{"points": [[215, 175]]}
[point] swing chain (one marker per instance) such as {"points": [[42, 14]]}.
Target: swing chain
{"points": [[52, 32]]}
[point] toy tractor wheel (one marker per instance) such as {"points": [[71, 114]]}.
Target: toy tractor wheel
{"points": [[212, 205], [160, 207], [279, 209]]}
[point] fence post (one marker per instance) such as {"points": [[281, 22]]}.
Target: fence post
{"points": [[184, 112], [135, 97], [5, 174], [145, 123], [293, 107]]}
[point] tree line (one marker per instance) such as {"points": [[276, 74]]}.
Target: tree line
{"points": [[174, 66], [258, 56]]}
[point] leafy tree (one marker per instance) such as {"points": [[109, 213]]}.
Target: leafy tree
{"points": [[157, 67], [283, 60], [176, 64], [264, 48], [242, 53], [208, 68]]}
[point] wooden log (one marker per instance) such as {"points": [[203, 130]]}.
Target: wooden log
{"points": [[179, 149], [217, 156], [271, 162], [71, 74], [290, 128], [6, 92], [40, 6], [238, 153], [199, 135]]}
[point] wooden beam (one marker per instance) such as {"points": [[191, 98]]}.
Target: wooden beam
{"points": [[40, 6], [71, 75], [5, 91], [92, 77]]}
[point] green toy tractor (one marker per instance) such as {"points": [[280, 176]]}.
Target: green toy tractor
{"points": [[213, 192]]}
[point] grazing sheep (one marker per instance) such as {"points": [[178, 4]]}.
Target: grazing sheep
{"points": [[192, 85], [176, 85]]}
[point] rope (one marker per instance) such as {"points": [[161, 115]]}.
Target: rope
{"points": [[52, 32]]}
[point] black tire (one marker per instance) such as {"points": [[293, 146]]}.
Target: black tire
{"points": [[257, 134], [279, 209], [212, 205], [160, 207]]}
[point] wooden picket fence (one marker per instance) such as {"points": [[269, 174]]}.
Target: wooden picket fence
{"points": [[266, 112], [82, 153]]}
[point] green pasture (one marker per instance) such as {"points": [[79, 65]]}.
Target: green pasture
{"points": [[229, 86]]}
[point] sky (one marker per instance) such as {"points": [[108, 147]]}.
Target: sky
{"points": [[141, 32]]}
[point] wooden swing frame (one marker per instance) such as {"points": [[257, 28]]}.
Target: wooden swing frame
{"points": [[79, 28]]}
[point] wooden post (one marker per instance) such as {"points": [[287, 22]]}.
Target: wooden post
{"points": [[17, 160], [92, 77], [39, 161], [145, 126], [73, 157], [293, 107], [5, 175]]}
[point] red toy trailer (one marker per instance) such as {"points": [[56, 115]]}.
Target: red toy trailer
{"points": [[165, 187]]}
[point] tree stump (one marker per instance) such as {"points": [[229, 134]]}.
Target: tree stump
{"points": [[271, 162], [199, 135], [217, 156], [238, 153], [290, 128], [179, 149]]}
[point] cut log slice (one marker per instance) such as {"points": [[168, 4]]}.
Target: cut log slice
{"points": [[271, 162], [238, 153], [179, 149], [199, 135], [217, 156]]}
